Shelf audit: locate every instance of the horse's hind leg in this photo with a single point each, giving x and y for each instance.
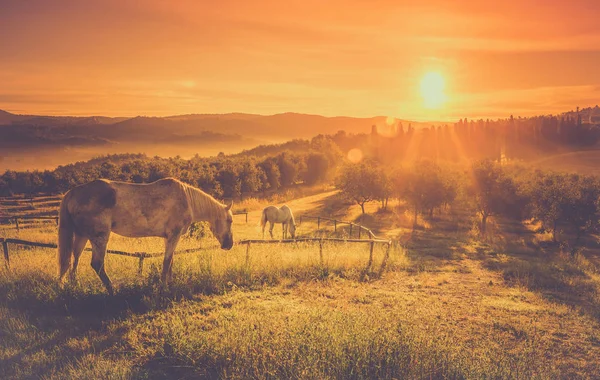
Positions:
(78, 245)
(170, 244)
(99, 243)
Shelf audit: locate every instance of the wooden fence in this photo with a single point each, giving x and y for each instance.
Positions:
(143, 255)
(15, 219)
(336, 222)
(242, 213)
(139, 255)
(372, 242)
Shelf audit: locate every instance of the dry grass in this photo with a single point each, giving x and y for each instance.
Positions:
(449, 306)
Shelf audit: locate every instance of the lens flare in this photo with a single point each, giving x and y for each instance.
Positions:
(355, 155)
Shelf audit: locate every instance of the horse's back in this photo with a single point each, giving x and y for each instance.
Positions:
(150, 209)
(130, 209)
(277, 214)
(93, 196)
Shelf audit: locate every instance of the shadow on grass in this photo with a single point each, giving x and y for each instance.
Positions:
(560, 276)
(60, 317)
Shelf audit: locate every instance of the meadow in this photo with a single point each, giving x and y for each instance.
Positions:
(449, 305)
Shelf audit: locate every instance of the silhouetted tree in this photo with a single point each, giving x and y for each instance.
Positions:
(358, 182)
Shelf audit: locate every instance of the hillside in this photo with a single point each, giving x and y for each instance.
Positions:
(447, 306)
(42, 142)
(280, 126)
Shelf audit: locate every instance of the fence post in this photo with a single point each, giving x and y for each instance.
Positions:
(351, 230)
(141, 265)
(371, 254)
(321, 250)
(335, 225)
(359, 230)
(318, 222)
(246, 216)
(17, 223)
(6, 257)
(57, 220)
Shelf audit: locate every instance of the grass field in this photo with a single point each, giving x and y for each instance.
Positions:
(449, 305)
(583, 162)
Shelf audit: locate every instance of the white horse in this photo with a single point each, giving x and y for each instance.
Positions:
(283, 215)
(164, 208)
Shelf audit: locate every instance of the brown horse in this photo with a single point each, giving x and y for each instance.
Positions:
(164, 208)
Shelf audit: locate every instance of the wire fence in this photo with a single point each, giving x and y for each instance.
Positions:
(371, 239)
(335, 222)
(16, 219)
(139, 255)
(371, 242)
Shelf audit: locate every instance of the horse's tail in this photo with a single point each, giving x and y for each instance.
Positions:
(66, 231)
(263, 218)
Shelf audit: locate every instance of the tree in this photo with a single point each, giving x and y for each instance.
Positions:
(358, 182)
(272, 174)
(251, 177)
(423, 187)
(582, 211)
(549, 200)
(495, 193)
(228, 177)
(287, 168)
(383, 187)
(317, 168)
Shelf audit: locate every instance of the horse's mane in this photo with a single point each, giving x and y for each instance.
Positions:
(204, 206)
(292, 216)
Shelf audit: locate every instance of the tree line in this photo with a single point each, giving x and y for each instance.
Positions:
(223, 176)
(559, 202)
(502, 139)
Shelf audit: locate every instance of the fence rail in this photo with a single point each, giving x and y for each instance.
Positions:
(242, 213)
(372, 242)
(15, 219)
(336, 222)
(139, 255)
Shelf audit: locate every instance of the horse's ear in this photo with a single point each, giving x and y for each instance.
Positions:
(228, 207)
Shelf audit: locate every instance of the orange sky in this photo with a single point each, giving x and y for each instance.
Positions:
(356, 58)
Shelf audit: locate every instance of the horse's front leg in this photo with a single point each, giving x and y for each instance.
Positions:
(284, 228)
(170, 243)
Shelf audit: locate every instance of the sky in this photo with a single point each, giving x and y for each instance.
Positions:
(352, 57)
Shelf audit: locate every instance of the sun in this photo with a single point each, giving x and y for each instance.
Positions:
(432, 90)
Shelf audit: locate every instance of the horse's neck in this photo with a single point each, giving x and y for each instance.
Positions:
(204, 208)
(286, 215)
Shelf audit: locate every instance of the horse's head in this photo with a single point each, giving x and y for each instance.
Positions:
(293, 229)
(221, 228)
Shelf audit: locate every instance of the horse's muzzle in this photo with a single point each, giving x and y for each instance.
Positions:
(227, 243)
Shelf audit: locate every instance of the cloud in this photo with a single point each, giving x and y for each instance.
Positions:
(336, 57)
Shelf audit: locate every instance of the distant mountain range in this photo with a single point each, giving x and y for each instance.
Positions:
(278, 127)
(34, 141)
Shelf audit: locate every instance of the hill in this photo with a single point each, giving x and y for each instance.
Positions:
(41, 142)
(280, 126)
